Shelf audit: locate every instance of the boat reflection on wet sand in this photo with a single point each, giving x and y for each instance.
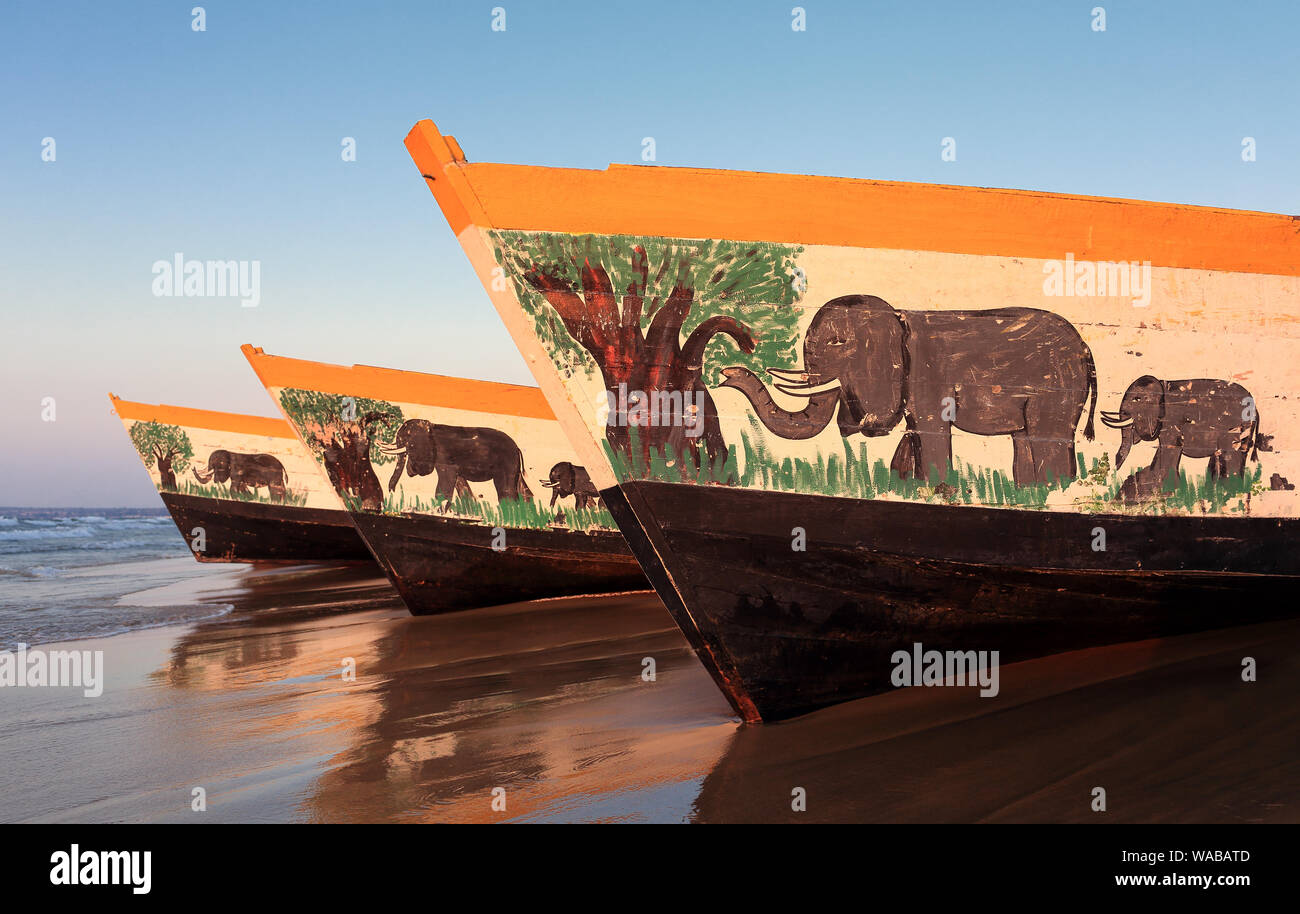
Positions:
(1166, 727)
(546, 701)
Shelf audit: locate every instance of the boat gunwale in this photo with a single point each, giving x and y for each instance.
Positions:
(686, 202)
(209, 419)
(398, 385)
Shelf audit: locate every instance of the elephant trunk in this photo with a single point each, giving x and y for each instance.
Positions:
(1126, 444)
(397, 473)
(795, 425)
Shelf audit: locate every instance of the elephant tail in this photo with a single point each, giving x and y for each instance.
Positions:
(1089, 430)
(1254, 438)
(524, 491)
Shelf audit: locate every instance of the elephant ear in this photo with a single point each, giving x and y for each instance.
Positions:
(1148, 406)
(421, 447)
(873, 394)
(571, 478)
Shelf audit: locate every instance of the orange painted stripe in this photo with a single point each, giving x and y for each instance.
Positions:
(399, 386)
(202, 418)
(801, 209)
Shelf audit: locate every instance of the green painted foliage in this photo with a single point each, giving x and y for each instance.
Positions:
(854, 475)
(313, 413)
(757, 283)
(152, 439)
(1198, 493)
(512, 512)
(215, 490)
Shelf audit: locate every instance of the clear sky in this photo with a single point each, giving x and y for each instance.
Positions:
(225, 144)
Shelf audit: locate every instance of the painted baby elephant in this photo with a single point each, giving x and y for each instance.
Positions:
(1020, 372)
(566, 479)
(460, 455)
(1194, 418)
(245, 472)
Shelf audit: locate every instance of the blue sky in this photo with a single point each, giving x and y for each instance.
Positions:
(225, 144)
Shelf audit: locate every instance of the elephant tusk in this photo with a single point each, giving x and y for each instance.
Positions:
(548, 484)
(1116, 423)
(391, 451)
(789, 376)
(807, 390)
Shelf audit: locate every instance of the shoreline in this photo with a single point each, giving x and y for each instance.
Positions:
(253, 708)
(546, 701)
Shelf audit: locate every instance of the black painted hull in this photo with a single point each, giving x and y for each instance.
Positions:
(245, 531)
(784, 632)
(442, 564)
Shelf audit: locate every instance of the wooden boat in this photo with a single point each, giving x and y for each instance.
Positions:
(454, 521)
(240, 488)
(845, 417)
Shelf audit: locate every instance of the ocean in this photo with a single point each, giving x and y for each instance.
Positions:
(70, 573)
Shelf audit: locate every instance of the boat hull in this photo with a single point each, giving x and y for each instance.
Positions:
(954, 394)
(243, 531)
(443, 564)
(447, 481)
(791, 631)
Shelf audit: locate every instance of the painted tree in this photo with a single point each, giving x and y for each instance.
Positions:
(345, 434)
(658, 318)
(167, 446)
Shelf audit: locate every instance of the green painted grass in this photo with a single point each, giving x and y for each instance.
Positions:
(213, 490)
(512, 512)
(1194, 494)
(853, 474)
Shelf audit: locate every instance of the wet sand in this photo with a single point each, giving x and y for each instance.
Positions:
(1167, 727)
(546, 701)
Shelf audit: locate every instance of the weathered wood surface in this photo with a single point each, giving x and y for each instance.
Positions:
(246, 482)
(793, 631)
(467, 492)
(441, 564)
(990, 375)
(238, 531)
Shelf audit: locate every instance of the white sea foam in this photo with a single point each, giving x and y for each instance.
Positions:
(46, 533)
(65, 574)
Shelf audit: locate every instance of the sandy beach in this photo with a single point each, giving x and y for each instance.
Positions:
(546, 702)
(544, 699)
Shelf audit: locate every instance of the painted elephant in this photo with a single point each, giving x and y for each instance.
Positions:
(1020, 372)
(460, 455)
(245, 473)
(566, 479)
(1194, 418)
